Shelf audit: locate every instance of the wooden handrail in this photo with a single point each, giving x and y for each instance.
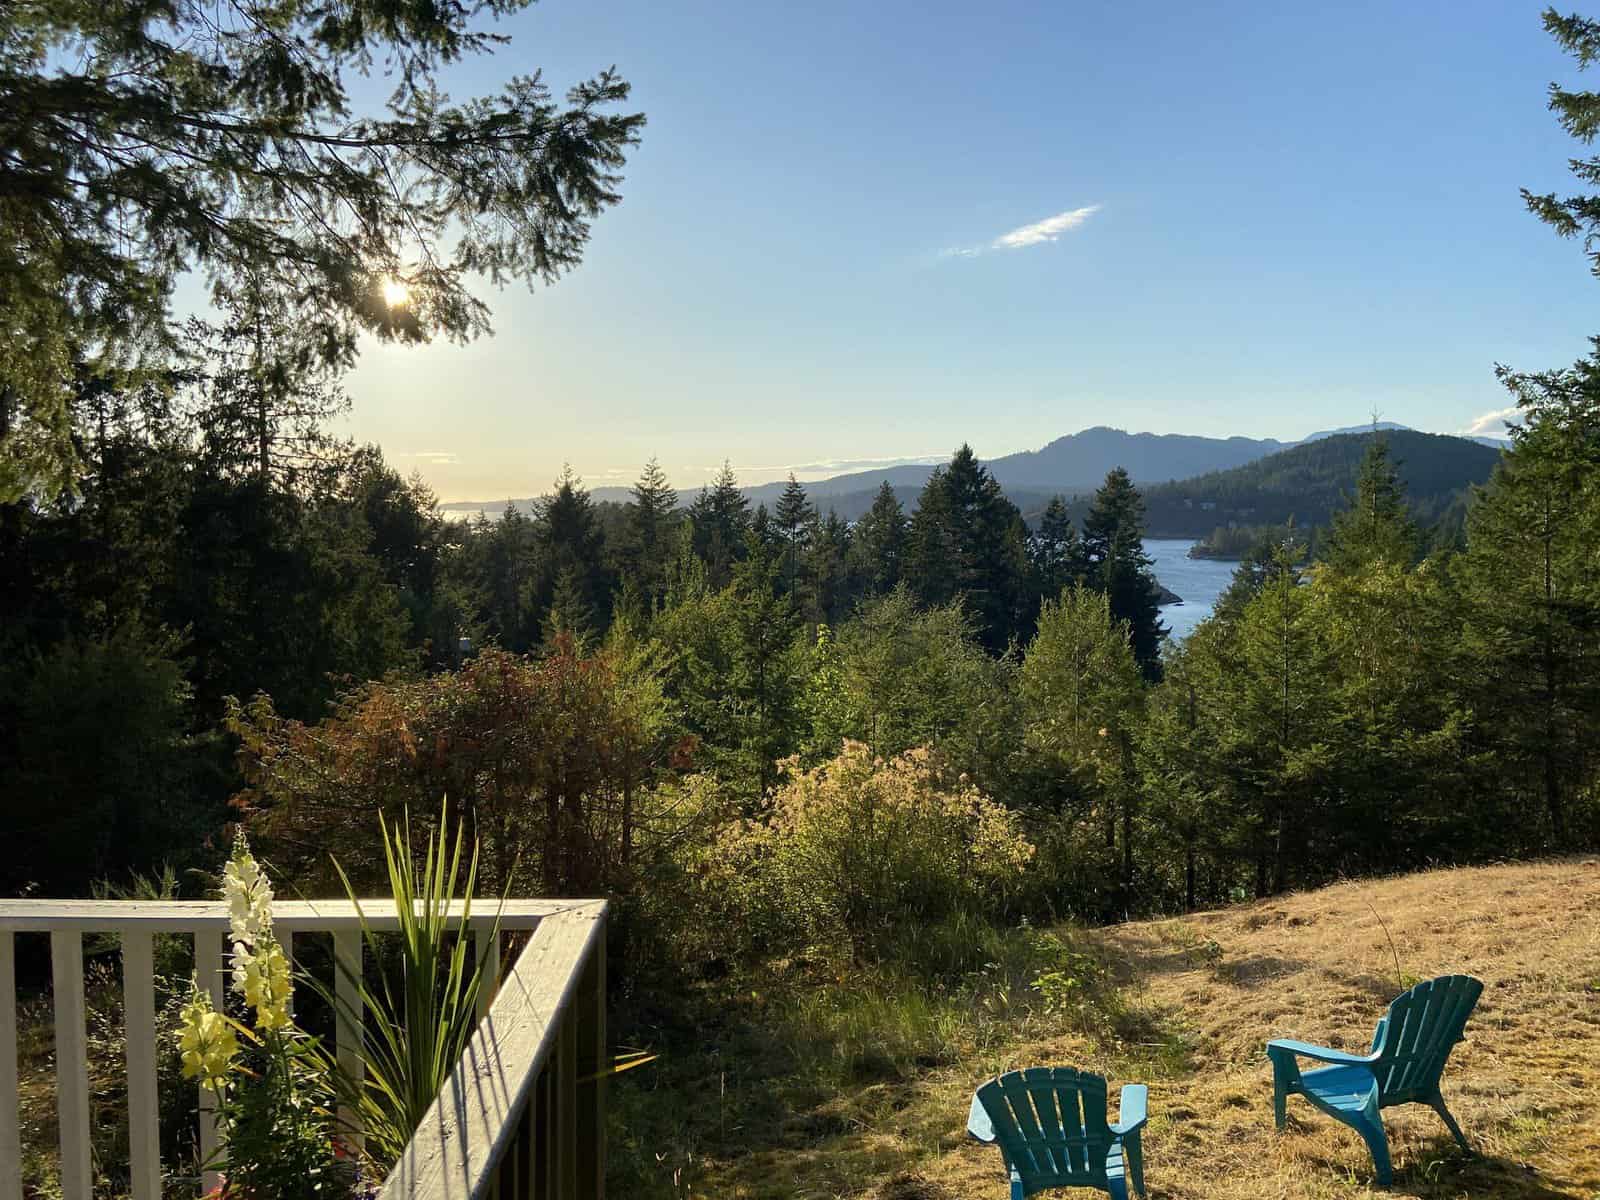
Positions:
(523, 1113)
(290, 916)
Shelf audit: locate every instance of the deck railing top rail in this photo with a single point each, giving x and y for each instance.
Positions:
(291, 916)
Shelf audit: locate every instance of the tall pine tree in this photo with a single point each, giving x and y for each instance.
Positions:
(1375, 527)
(1056, 551)
(1531, 579)
(720, 517)
(1113, 546)
(794, 517)
(648, 541)
(878, 545)
(968, 541)
(570, 552)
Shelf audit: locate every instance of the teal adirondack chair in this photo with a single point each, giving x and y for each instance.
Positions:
(1407, 1058)
(1050, 1125)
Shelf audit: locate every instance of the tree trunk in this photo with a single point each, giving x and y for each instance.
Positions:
(1188, 875)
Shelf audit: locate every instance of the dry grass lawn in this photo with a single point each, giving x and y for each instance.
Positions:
(1206, 991)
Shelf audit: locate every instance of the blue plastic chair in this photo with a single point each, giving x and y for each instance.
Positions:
(1050, 1125)
(1408, 1055)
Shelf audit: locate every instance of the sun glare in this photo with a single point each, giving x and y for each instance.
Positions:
(395, 292)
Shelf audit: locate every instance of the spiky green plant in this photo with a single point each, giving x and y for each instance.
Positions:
(420, 1024)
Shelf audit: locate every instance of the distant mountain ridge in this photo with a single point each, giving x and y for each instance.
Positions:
(1073, 465)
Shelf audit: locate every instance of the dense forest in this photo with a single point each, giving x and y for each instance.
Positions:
(226, 615)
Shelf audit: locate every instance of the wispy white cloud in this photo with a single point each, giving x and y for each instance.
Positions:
(1492, 424)
(433, 457)
(1047, 230)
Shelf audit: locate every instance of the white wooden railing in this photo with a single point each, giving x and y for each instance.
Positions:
(523, 1115)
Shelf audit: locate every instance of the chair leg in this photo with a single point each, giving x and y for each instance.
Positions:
(1437, 1104)
(1016, 1186)
(1370, 1126)
(1133, 1163)
(1280, 1096)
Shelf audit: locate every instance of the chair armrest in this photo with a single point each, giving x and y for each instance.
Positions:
(1132, 1110)
(1282, 1046)
(978, 1123)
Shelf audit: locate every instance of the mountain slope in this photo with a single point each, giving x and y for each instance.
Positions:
(1311, 481)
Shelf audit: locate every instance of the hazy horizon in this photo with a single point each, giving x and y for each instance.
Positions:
(814, 472)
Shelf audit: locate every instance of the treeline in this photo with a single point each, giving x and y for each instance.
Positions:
(577, 565)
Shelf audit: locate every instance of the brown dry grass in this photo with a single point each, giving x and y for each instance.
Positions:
(1206, 991)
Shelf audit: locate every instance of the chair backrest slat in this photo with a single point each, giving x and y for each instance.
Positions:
(1050, 1123)
(1414, 1041)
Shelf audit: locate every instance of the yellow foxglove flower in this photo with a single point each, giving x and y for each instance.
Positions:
(206, 1042)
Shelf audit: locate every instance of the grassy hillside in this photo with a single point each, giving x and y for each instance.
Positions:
(1310, 482)
(1186, 1007)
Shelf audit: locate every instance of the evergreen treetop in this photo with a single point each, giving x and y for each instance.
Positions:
(1375, 527)
(147, 141)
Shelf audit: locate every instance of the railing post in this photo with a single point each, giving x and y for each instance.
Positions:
(349, 1022)
(72, 1063)
(592, 1063)
(10, 1134)
(210, 967)
(546, 1156)
(567, 1105)
(139, 1007)
(486, 943)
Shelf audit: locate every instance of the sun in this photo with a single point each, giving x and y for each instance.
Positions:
(395, 292)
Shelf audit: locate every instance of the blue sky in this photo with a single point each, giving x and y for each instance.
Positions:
(1270, 218)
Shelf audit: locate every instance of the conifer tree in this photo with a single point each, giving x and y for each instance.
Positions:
(1113, 547)
(1531, 580)
(1057, 553)
(648, 544)
(825, 575)
(794, 517)
(1579, 114)
(720, 517)
(1375, 527)
(878, 545)
(968, 540)
(1082, 694)
(571, 612)
(1277, 722)
(570, 549)
(263, 395)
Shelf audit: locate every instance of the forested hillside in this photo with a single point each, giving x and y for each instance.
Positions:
(1310, 482)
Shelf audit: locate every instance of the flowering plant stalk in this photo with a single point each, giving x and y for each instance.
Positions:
(274, 1083)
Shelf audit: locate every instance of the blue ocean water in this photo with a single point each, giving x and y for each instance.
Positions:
(1200, 581)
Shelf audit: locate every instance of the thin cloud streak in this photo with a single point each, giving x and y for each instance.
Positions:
(1492, 424)
(1048, 230)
